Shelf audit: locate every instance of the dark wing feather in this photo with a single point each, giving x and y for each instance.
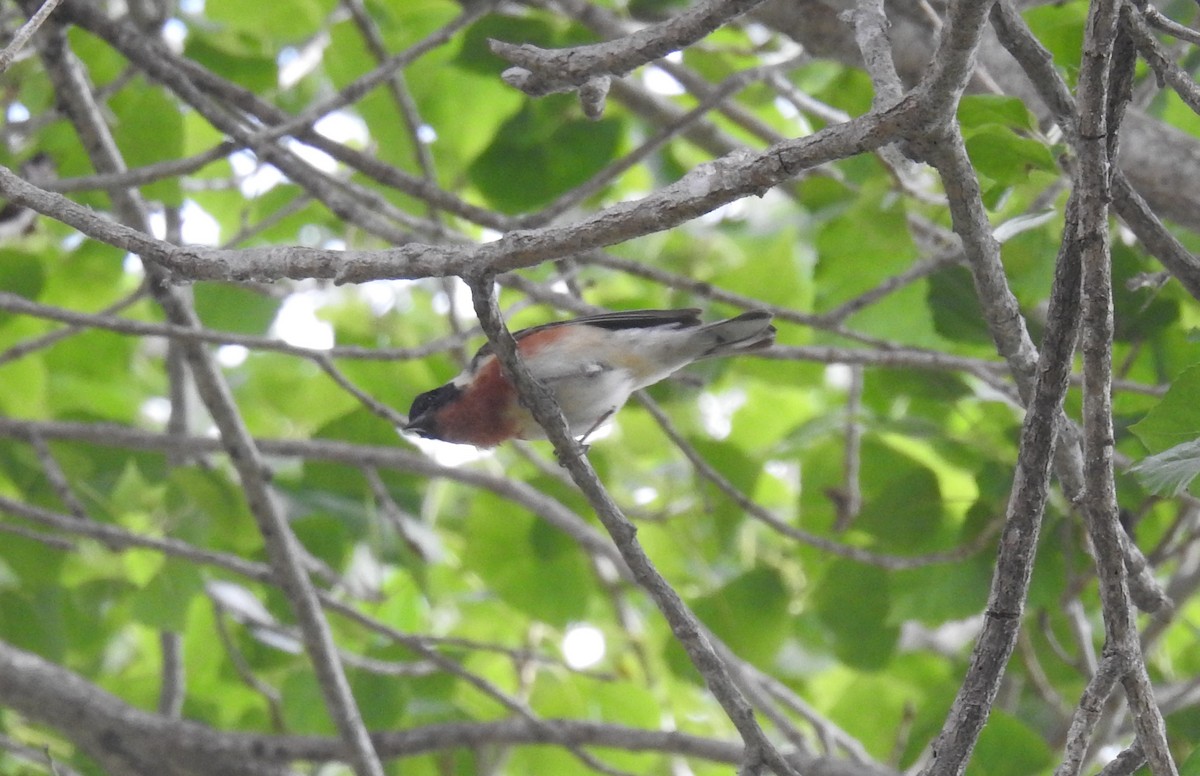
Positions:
(632, 319)
(623, 319)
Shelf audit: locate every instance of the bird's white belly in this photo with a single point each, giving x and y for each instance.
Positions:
(591, 397)
(586, 398)
(593, 377)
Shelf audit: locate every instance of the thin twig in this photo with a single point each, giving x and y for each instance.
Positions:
(763, 515)
(27, 30)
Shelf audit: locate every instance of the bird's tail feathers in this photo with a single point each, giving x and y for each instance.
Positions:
(749, 331)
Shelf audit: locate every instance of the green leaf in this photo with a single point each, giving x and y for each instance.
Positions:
(1008, 747)
(103, 63)
(242, 58)
(33, 622)
(742, 470)
(81, 369)
(403, 24)
(1029, 261)
(980, 110)
(533, 567)
(271, 403)
(282, 221)
(847, 696)
(149, 130)
(1166, 427)
(578, 695)
(943, 592)
(34, 564)
(288, 21)
(861, 248)
(749, 613)
(207, 508)
(902, 499)
(27, 381)
(88, 277)
(1005, 157)
(382, 704)
(542, 152)
(1191, 766)
(849, 90)
(776, 269)
(327, 537)
(21, 273)
(1140, 313)
(882, 390)
(235, 309)
(163, 602)
(361, 426)
(656, 9)
(476, 55)
(304, 705)
(1176, 419)
(1060, 28)
(956, 312)
(853, 600)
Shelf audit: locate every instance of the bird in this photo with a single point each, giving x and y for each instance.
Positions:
(591, 364)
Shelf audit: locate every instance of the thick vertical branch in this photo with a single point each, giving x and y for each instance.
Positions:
(1100, 106)
(1018, 542)
(1038, 63)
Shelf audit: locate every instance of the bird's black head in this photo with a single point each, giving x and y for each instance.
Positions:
(422, 416)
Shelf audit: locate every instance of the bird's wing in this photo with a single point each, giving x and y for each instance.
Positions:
(631, 319)
(623, 319)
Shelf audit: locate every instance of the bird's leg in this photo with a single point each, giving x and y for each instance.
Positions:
(583, 446)
(599, 422)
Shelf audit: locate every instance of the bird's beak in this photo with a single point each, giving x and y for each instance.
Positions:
(422, 425)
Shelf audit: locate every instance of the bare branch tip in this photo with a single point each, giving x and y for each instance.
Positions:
(592, 96)
(517, 77)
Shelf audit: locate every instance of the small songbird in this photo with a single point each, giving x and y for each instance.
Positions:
(592, 364)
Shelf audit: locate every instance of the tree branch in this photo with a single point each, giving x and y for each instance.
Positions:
(282, 548)
(10, 52)
(683, 623)
(1026, 506)
(540, 72)
(1099, 112)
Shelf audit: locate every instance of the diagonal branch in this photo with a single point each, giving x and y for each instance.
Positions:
(687, 629)
(10, 52)
(701, 191)
(286, 555)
